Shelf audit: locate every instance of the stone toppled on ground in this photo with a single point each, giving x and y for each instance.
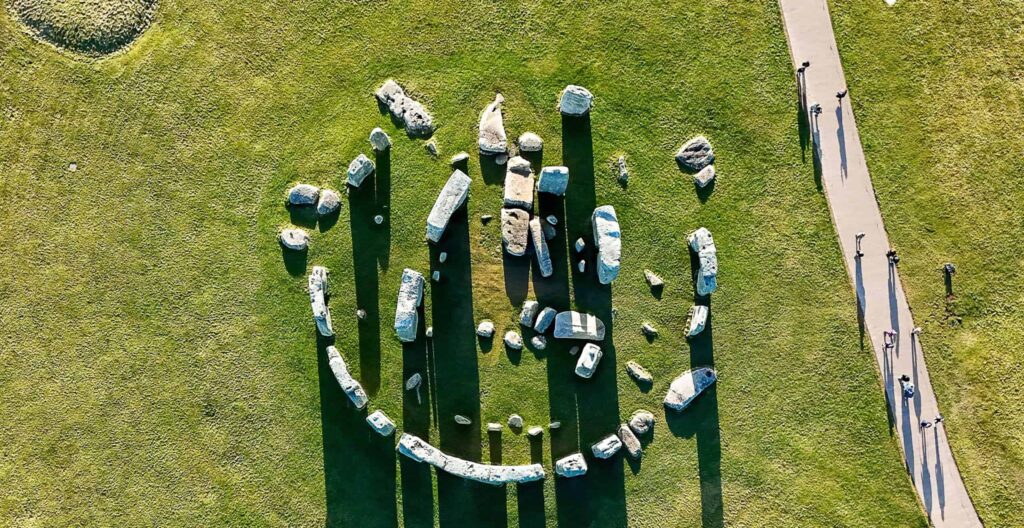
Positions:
(630, 441)
(462, 420)
(530, 142)
(442, 257)
(420, 451)
(459, 159)
(576, 325)
(695, 154)
(544, 320)
(696, 320)
(492, 128)
(358, 170)
(435, 276)
(704, 177)
(580, 245)
(303, 194)
(707, 275)
(485, 329)
(555, 425)
(381, 423)
(528, 313)
(486, 219)
(540, 248)
(608, 240)
(294, 239)
(538, 342)
(519, 184)
(515, 421)
(513, 340)
(607, 447)
(575, 100)
(348, 384)
(413, 383)
(405, 110)
(582, 266)
(553, 180)
(688, 386)
(451, 198)
(639, 373)
(588, 361)
(317, 284)
(379, 140)
(653, 280)
(515, 230)
(649, 331)
(621, 171)
(410, 296)
(328, 203)
(573, 465)
(641, 422)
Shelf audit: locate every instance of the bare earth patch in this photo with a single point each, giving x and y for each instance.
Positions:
(89, 27)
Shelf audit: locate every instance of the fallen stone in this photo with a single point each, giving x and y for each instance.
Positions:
(703, 244)
(410, 296)
(653, 280)
(544, 320)
(549, 231)
(494, 427)
(608, 240)
(573, 465)
(582, 266)
(630, 441)
(379, 219)
(555, 425)
(513, 340)
(515, 229)
(303, 194)
(420, 451)
(486, 219)
(462, 420)
(649, 330)
(576, 325)
(406, 111)
(607, 447)
(435, 276)
(530, 142)
(588, 361)
(528, 313)
(552, 219)
(429, 332)
(553, 180)
(641, 422)
(695, 154)
(451, 198)
(358, 170)
(492, 128)
(381, 423)
(696, 319)
(348, 384)
(459, 159)
(317, 284)
(294, 238)
(485, 329)
(622, 172)
(540, 248)
(580, 245)
(688, 386)
(379, 140)
(431, 148)
(519, 185)
(639, 373)
(539, 342)
(705, 176)
(575, 100)
(442, 257)
(515, 421)
(535, 431)
(328, 203)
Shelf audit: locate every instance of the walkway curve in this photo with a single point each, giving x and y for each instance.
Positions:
(883, 305)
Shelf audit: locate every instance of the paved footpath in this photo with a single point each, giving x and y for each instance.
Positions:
(851, 199)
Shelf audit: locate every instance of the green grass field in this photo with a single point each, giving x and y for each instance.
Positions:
(938, 93)
(159, 364)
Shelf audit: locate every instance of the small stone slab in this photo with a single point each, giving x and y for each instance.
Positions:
(358, 170)
(515, 421)
(607, 447)
(695, 154)
(328, 204)
(580, 245)
(576, 325)
(573, 465)
(553, 180)
(513, 340)
(589, 358)
(544, 320)
(379, 140)
(653, 280)
(649, 331)
(696, 320)
(535, 431)
(639, 373)
(303, 194)
(459, 159)
(485, 329)
(704, 177)
(528, 313)
(294, 239)
(494, 427)
(641, 422)
(530, 142)
(380, 423)
(410, 296)
(519, 185)
(608, 239)
(348, 384)
(690, 384)
(451, 198)
(540, 248)
(630, 441)
(538, 342)
(492, 138)
(515, 230)
(575, 100)
(462, 420)
(622, 172)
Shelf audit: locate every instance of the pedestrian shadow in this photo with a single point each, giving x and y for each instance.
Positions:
(841, 136)
(417, 478)
(815, 149)
(907, 434)
(940, 482)
(367, 247)
(862, 299)
(803, 126)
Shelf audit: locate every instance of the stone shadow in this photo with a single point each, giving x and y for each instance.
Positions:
(491, 172)
(417, 477)
(382, 194)
(294, 261)
(368, 246)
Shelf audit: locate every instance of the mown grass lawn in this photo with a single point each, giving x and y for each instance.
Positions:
(938, 94)
(159, 365)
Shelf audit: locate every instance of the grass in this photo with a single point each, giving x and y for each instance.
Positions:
(88, 27)
(938, 94)
(159, 362)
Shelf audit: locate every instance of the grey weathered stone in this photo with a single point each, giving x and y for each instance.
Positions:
(608, 239)
(515, 230)
(544, 320)
(420, 451)
(410, 296)
(641, 422)
(442, 257)
(435, 276)
(407, 111)
(294, 238)
(528, 313)
(688, 386)
(462, 420)
(703, 244)
(495, 427)
(519, 185)
(582, 266)
(414, 381)
(459, 159)
(704, 176)
(451, 197)
(378, 219)
(575, 100)
(485, 329)
(607, 447)
(535, 431)
(530, 142)
(653, 280)
(696, 319)
(552, 219)
(303, 194)
(318, 288)
(486, 219)
(540, 248)
(431, 148)
(492, 128)
(328, 203)
(576, 325)
(538, 342)
(381, 423)
(695, 154)
(513, 340)
(573, 465)
(630, 441)
(638, 372)
(549, 231)
(379, 140)
(649, 330)
(515, 421)
(358, 170)
(588, 361)
(348, 384)
(553, 180)
(361, 314)
(580, 245)
(429, 332)
(621, 171)
(555, 425)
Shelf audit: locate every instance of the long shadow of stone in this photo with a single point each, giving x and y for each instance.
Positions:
(294, 261)
(359, 465)
(456, 375)
(382, 194)
(417, 478)
(491, 172)
(368, 245)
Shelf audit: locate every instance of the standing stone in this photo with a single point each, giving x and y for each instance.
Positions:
(552, 219)
(378, 219)
(695, 154)
(328, 203)
(452, 196)
(649, 330)
(630, 441)
(688, 386)
(494, 427)
(381, 423)
(379, 140)
(513, 340)
(639, 373)
(607, 447)
(703, 244)
(429, 332)
(530, 142)
(515, 229)
(540, 248)
(653, 280)
(576, 325)
(608, 240)
(348, 384)
(535, 431)
(303, 194)
(442, 257)
(580, 245)
(544, 320)
(641, 422)
(435, 276)
(528, 313)
(588, 361)
(485, 329)
(486, 219)
(582, 266)
(294, 239)
(696, 319)
(407, 111)
(410, 296)
(575, 100)
(431, 147)
(462, 420)
(539, 342)
(317, 284)
(492, 128)
(553, 180)
(573, 465)
(704, 177)
(459, 159)
(515, 421)
(519, 184)
(358, 170)
(361, 314)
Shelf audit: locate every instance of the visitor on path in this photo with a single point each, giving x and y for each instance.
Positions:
(916, 332)
(806, 64)
(816, 109)
(907, 385)
(840, 94)
(938, 419)
(925, 424)
(858, 253)
(889, 338)
(894, 259)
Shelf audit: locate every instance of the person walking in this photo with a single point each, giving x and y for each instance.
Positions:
(907, 385)
(858, 253)
(938, 419)
(925, 424)
(840, 95)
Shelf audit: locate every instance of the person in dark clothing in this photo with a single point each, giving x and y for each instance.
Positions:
(840, 94)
